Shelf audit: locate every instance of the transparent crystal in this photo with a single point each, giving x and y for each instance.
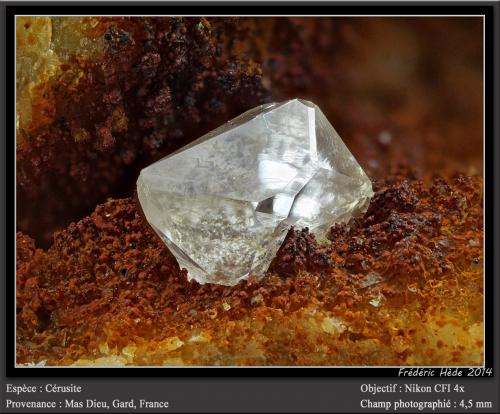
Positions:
(224, 203)
(370, 279)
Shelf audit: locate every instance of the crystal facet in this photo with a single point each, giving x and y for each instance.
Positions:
(223, 204)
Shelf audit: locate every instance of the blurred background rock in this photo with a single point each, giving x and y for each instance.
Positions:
(100, 98)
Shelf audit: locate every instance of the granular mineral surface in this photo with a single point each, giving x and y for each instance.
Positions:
(401, 286)
(101, 98)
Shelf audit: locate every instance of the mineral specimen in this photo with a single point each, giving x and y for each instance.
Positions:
(224, 203)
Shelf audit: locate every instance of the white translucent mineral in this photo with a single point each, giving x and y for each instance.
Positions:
(223, 204)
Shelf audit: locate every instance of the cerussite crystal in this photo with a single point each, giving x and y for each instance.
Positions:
(223, 204)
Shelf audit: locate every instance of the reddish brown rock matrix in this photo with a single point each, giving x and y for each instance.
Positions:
(402, 285)
(109, 280)
(159, 83)
(396, 89)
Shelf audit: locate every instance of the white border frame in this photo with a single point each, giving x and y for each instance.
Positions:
(262, 366)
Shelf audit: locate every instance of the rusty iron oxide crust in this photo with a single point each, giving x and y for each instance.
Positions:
(100, 98)
(108, 292)
(141, 87)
